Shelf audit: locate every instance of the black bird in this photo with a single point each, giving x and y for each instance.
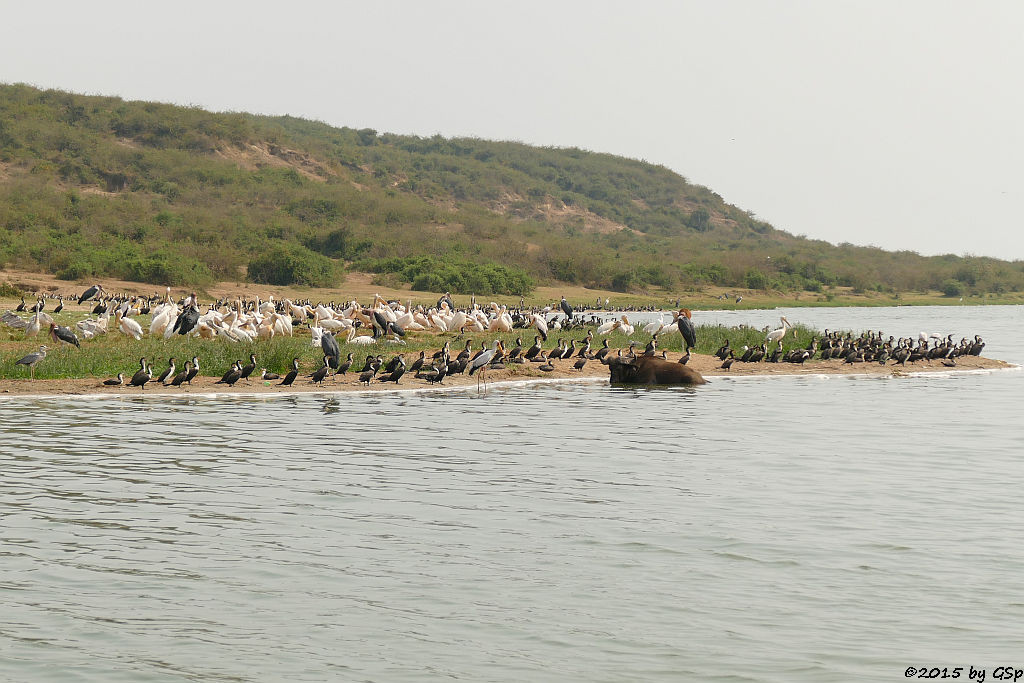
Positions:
(729, 360)
(232, 375)
(758, 354)
(169, 372)
(443, 352)
(264, 375)
(687, 329)
(320, 375)
(535, 349)
(394, 363)
(976, 347)
(395, 374)
(116, 382)
(396, 328)
(602, 352)
(290, 377)
(433, 376)
(100, 308)
(652, 346)
(457, 367)
(516, 350)
(90, 293)
(578, 365)
(380, 324)
(60, 305)
(186, 320)
(418, 363)
(343, 368)
(21, 306)
(723, 351)
(224, 377)
(144, 374)
(566, 308)
(182, 376)
(193, 371)
(64, 334)
(250, 368)
(466, 352)
(584, 351)
(330, 345)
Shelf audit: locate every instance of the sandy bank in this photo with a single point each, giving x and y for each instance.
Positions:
(706, 365)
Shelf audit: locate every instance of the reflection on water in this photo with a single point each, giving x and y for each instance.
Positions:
(791, 529)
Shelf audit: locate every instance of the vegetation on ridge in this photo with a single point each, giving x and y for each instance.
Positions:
(95, 187)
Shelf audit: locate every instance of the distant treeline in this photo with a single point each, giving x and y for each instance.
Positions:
(99, 187)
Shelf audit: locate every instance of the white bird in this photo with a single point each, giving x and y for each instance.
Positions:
(541, 325)
(353, 339)
(609, 327)
(776, 335)
(32, 329)
(654, 327)
(128, 326)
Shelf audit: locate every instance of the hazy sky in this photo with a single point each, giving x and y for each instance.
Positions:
(897, 124)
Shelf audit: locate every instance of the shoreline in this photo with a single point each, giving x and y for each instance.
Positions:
(516, 376)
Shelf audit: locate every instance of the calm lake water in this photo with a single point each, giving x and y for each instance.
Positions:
(770, 529)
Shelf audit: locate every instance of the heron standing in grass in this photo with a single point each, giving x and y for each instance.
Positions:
(31, 359)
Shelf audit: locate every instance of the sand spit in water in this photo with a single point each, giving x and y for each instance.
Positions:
(525, 373)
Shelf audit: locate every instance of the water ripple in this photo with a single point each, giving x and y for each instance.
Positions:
(821, 530)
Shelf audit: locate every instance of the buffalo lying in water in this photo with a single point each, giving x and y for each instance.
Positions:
(648, 370)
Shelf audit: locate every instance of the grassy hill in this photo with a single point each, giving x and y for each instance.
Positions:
(100, 187)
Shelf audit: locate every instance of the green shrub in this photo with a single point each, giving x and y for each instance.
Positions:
(9, 291)
(76, 270)
(431, 274)
(952, 287)
(168, 269)
(292, 264)
(755, 279)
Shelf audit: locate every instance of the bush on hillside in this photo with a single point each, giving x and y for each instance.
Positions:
(431, 274)
(292, 264)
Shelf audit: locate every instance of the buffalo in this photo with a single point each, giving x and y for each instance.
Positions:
(648, 370)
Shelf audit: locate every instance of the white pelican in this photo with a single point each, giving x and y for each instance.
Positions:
(353, 339)
(776, 335)
(609, 327)
(128, 326)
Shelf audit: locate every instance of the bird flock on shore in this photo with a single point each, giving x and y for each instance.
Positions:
(868, 347)
(387, 322)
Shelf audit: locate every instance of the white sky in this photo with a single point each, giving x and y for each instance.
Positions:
(896, 124)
